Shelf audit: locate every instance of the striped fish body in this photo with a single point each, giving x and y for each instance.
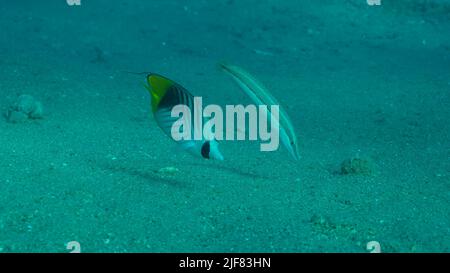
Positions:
(261, 96)
(166, 94)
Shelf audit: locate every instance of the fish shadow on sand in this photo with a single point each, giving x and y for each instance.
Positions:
(231, 170)
(179, 179)
(147, 175)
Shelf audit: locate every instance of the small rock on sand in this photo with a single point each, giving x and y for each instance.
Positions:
(24, 108)
(357, 165)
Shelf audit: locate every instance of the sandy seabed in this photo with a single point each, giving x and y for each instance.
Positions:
(358, 81)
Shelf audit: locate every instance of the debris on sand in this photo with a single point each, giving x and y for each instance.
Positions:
(167, 171)
(24, 108)
(357, 165)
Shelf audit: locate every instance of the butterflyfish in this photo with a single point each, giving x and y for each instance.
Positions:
(165, 95)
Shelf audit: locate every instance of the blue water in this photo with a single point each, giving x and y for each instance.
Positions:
(367, 89)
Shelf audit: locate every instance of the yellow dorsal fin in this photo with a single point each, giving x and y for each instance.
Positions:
(157, 86)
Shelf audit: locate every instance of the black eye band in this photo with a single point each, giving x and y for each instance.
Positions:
(205, 149)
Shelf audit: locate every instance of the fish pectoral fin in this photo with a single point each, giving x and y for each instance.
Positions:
(187, 145)
(182, 146)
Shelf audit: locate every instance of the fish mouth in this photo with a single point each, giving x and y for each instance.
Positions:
(215, 153)
(217, 156)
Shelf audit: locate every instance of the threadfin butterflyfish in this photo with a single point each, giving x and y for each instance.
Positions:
(261, 96)
(165, 95)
